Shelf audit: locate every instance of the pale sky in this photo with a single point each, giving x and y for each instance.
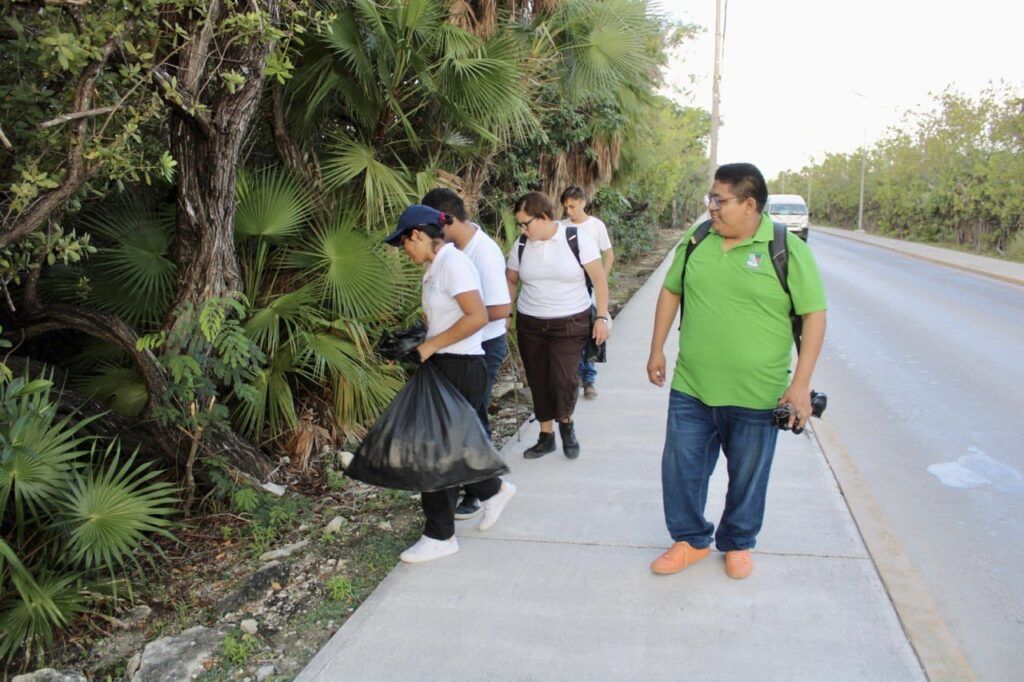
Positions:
(790, 66)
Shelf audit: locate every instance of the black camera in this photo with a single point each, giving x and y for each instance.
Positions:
(782, 413)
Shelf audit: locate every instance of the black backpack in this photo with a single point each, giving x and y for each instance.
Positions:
(777, 251)
(571, 236)
(595, 352)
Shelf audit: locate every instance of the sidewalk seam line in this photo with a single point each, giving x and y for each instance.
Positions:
(843, 557)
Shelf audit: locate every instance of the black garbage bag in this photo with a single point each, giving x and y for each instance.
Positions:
(429, 438)
(401, 345)
(596, 352)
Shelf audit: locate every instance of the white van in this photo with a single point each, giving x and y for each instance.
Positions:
(790, 209)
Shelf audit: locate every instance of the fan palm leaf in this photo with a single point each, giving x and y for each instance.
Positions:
(271, 204)
(39, 452)
(360, 396)
(42, 606)
(133, 274)
(286, 313)
(111, 509)
(384, 188)
(270, 402)
(122, 389)
(349, 272)
(604, 45)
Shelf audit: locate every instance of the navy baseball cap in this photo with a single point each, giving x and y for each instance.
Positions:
(412, 217)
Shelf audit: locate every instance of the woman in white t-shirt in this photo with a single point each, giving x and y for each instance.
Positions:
(455, 316)
(553, 322)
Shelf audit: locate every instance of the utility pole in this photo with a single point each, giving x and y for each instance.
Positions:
(863, 165)
(863, 172)
(719, 39)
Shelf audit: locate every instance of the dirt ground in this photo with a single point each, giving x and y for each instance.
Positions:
(214, 575)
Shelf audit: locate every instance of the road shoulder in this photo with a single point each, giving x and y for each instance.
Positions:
(1005, 271)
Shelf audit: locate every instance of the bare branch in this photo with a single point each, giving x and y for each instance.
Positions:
(182, 102)
(66, 118)
(77, 173)
(52, 3)
(193, 62)
(5, 142)
(107, 327)
(295, 159)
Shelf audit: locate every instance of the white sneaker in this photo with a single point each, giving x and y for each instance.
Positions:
(496, 504)
(428, 549)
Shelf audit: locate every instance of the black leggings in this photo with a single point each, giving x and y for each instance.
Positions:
(468, 373)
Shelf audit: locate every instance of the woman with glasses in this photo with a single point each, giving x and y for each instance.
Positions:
(455, 315)
(553, 308)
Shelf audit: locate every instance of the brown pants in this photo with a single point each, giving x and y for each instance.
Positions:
(551, 355)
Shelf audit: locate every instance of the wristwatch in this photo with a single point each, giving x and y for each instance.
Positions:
(607, 321)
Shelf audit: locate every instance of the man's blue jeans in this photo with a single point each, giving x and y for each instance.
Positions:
(695, 435)
(495, 352)
(588, 369)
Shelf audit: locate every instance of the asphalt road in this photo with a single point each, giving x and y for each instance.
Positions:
(924, 368)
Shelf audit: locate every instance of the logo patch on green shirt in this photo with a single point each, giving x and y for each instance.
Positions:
(754, 260)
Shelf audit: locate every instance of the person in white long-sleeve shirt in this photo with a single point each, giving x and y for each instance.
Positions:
(574, 204)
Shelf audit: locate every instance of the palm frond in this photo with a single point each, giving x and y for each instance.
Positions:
(44, 605)
(111, 509)
(40, 452)
(122, 389)
(384, 188)
(270, 400)
(348, 270)
(272, 205)
(286, 313)
(133, 274)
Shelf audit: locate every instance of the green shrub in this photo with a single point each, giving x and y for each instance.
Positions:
(1015, 246)
(632, 227)
(238, 649)
(75, 513)
(339, 588)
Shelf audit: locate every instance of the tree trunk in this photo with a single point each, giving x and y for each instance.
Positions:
(207, 148)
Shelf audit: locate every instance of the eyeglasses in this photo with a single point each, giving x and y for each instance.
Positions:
(523, 226)
(714, 203)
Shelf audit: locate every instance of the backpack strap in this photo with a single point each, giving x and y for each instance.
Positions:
(701, 233)
(572, 236)
(779, 253)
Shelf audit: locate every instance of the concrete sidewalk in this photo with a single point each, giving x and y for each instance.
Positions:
(1006, 271)
(560, 589)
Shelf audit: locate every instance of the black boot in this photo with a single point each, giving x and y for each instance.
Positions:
(545, 444)
(570, 446)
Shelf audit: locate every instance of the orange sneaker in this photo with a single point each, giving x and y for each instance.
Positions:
(677, 557)
(738, 564)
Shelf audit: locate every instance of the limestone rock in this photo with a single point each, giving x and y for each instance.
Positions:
(254, 586)
(284, 552)
(51, 675)
(173, 659)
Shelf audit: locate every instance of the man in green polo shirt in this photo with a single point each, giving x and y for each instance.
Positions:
(733, 368)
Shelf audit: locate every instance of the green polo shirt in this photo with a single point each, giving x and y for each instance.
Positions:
(735, 340)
